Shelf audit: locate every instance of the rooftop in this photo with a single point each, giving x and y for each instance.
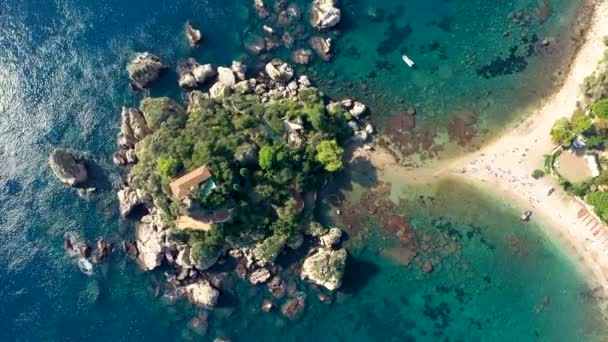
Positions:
(183, 186)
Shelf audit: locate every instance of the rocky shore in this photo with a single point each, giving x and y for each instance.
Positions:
(197, 276)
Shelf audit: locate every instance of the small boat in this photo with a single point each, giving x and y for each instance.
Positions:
(526, 215)
(408, 61)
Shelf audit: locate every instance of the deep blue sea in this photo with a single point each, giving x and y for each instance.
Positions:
(63, 81)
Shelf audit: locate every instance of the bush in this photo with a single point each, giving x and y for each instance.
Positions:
(269, 249)
(537, 174)
(595, 142)
(168, 167)
(162, 109)
(561, 133)
(581, 123)
(600, 108)
(599, 200)
(330, 155)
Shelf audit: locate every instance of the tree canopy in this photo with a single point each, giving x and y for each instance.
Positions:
(254, 161)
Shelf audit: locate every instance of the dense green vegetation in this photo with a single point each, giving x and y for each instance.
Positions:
(254, 158)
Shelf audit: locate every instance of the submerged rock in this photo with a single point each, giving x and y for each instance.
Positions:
(144, 69)
(322, 47)
(325, 14)
(302, 56)
(279, 71)
(325, 268)
(67, 168)
(293, 308)
(202, 293)
(194, 35)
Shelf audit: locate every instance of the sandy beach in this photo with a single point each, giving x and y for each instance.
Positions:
(505, 166)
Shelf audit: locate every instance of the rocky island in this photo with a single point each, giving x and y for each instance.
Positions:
(234, 174)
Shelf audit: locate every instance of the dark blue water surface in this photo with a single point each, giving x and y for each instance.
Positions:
(63, 81)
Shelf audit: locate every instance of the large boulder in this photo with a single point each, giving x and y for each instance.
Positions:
(128, 199)
(203, 255)
(226, 77)
(239, 69)
(133, 127)
(191, 74)
(203, 72)
(202, 293)
(150, 246)
(194, 35)
(259, 276)
(325, 268)
(219, 90)
(67, 168)
(332, 238)
(325, 14)
(144, 69)
(279, 71)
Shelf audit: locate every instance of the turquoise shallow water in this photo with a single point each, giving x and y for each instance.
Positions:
(62, 82)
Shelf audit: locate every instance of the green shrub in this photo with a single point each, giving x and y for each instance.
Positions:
(537, 174)
(581, 123)
(269, 249)
(600, 109)
(162, 109)
(599, 200)
(168, 167)
(561, 133)
(330, 155)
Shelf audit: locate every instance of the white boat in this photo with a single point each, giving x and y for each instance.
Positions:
(408, 61)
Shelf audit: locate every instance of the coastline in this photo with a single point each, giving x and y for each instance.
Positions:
(505, 165)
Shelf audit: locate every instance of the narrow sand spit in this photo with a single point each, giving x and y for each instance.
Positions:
(505, 165)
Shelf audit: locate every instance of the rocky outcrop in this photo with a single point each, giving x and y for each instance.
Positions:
(226, 77)
(192, 74)
(325, 14)
(219, 90)
(144, 69)
(202, 293)
(194, 35)
(239, 69)
(358, 109)
(128, 199)
(133, 128)
(279, 71)
(322, 47)
(67, 168)
(259, 276)
(302, 56)
(331, 239)
(203, 256)
(325, 268)
(150, 245)
(260, 8)
(315, 229)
